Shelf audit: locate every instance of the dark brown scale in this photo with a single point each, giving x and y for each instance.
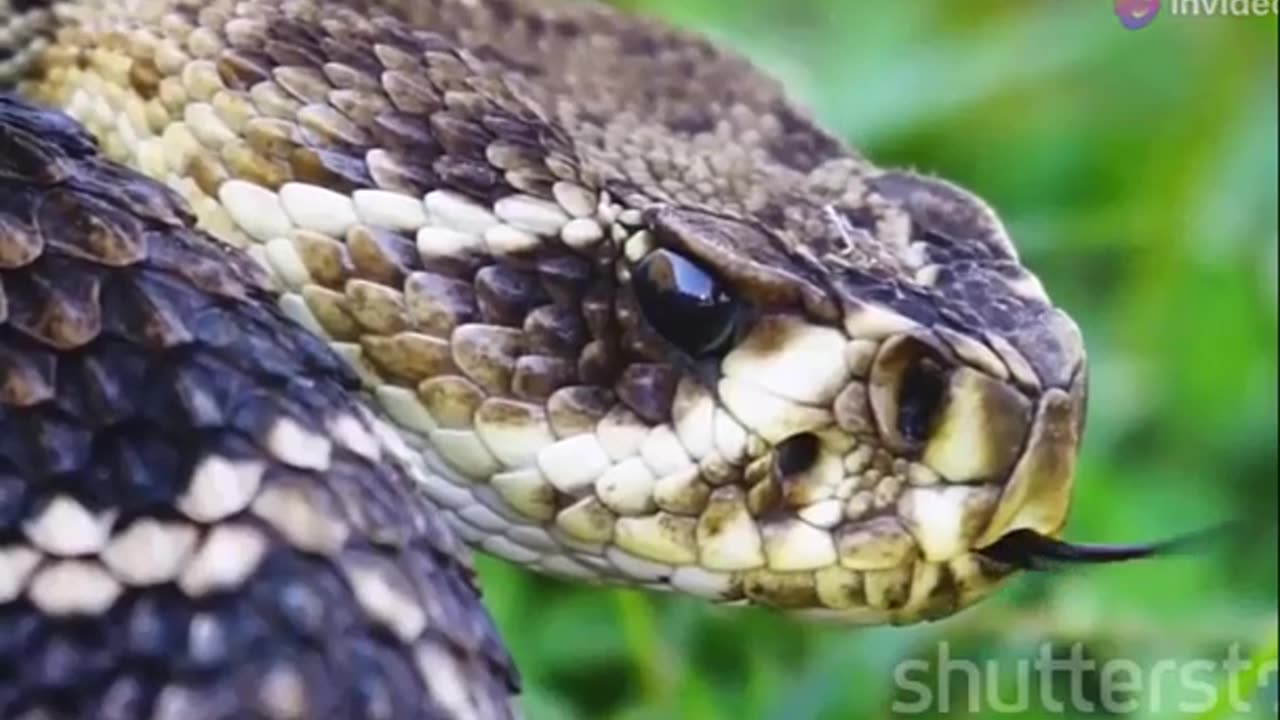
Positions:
(298, 31)
(599, 363)
(242, 68)
(145, 78)
(799, 147)
(286, 53)
(274, 138)
(213, 269)
(305, 83)
(381, 255)
(438, 303)
(28, 159)
(191, 363)
(436, 38)
(406, 134)
(151, 309)
(487, 355)
(597, 310)
(513, 129)
(410, 93)
(487, 93)
(405, 175)
(507, 155)
(564, 276)
(112, 184)
(27, 375)
(323, 125)
(354, 53)
(475, 178)
(22, 243)
(531, 181)
(236, 159)
(54, 444)
(102, 383)
(576, 409)
(58, 307)
(536, 377)
(332, 169)
(373, 504)
(506, 296)
(192, 397)
(446, 71)
(408, 358)
(82, 227)
(391, 31)
(645, 344)
(648, 390)
(556, 330)
(460, 136)
(361, 106)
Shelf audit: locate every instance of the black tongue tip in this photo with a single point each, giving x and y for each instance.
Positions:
(1029, 550)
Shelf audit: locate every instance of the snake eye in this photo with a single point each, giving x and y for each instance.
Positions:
(920, 396)
(684, 303)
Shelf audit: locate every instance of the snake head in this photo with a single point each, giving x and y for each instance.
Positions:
(885, 412)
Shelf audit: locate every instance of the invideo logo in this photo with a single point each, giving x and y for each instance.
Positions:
(1137, 14)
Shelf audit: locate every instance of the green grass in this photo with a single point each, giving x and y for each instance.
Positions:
(1137, 172)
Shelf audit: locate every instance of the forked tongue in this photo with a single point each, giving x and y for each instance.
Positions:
(1029, 550)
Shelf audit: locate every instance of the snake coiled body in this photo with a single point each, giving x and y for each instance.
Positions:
(341, 280)
(199, 520)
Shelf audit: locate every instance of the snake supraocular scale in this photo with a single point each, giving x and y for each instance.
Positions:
(636, 317)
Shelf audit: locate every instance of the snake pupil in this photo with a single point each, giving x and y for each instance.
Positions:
(685, 304)
(919, 398)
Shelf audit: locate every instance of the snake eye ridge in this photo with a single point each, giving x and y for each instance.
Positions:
(920, 397)
(685, 304)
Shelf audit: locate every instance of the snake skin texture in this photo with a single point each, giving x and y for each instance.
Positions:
(197, 518)
(466, 199)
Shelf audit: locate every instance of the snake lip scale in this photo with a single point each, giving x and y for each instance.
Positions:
(301, 300)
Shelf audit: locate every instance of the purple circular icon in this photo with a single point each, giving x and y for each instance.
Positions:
(1136, 14)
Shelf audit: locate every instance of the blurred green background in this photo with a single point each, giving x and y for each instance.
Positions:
(1137, 172)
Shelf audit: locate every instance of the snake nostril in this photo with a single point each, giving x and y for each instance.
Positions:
(795, 455)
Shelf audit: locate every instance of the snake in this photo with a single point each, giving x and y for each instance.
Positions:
(303, 301)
